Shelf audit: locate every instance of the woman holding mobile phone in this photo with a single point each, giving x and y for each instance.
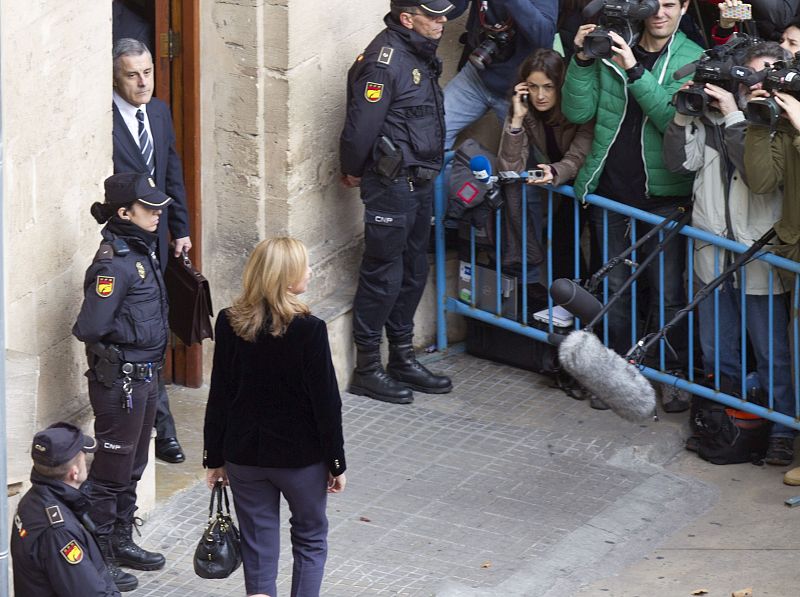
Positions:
(537, 137)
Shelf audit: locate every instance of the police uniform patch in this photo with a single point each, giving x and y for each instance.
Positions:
(72, 552)
(54, 515)
(20, 529)
(105, 286)
(416, 75)
(152, 182)
(385, 57)
(140, 269)
(373, 92)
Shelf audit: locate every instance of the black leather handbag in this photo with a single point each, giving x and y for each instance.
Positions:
(218, 554)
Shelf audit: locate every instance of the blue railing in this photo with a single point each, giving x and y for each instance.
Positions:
(450, 304)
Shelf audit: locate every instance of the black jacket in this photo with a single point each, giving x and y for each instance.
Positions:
(53, 554)
(393, 90)
(274, 402)
(169, 172)
(125, 301)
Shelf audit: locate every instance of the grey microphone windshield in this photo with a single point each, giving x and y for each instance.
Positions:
(608, 376)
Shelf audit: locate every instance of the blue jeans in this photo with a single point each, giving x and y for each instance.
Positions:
(466, 99)
(758, 331)
(622, 328)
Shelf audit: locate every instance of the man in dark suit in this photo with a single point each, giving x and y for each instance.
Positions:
(144, 141)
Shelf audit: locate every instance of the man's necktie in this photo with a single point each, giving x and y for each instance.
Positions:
(145, 145)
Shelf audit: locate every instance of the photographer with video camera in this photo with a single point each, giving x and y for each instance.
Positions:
(711, 144)
(772, 149)
(500, 35)
(629, 96)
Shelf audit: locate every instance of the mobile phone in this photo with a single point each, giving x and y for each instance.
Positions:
(537, 174)
(740, 12)
(523, 97)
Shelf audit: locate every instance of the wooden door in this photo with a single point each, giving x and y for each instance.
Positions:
(177, 66)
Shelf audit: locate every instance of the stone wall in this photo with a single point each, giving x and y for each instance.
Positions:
(274, 91)
(56, 89)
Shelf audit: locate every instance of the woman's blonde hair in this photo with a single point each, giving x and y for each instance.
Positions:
(273, 266)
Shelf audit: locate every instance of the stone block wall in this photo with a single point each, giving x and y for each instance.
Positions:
(273, 102)
(56, 89)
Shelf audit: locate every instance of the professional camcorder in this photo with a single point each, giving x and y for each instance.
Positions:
(496, 38)
(720, 65)
(620, 16)
(781, 76)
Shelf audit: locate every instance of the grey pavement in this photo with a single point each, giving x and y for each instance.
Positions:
(507, 487)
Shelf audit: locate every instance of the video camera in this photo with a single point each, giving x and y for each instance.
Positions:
(719, 65)
(495, 38)
(620, 16)
(781, 76)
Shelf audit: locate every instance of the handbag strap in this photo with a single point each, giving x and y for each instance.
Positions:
(219, 492)
(214, 493)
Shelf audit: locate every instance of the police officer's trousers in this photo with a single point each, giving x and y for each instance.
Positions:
(123, 438)
(394, 269)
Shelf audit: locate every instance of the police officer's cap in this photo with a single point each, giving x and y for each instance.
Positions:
(433, 8)
(125, 188)
(59, 443)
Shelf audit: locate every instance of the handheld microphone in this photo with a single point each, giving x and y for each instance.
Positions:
(482, 169)
(575, 299)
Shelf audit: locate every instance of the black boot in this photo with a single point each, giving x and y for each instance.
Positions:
(125, 582)
(405, 368)
(369, 379)
(127, 553)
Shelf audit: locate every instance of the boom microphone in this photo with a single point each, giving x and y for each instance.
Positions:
(608, 376)
(575, 299)
(481, 169)
(592, 8)
(686, 69)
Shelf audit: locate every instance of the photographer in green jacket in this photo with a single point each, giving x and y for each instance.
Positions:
(628, 95)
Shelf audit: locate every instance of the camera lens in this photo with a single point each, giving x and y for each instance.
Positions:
(597, 44)
(691, 102)
(481, 57)
(763, 112)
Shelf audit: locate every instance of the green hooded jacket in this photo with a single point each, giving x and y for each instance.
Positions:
(601, 91)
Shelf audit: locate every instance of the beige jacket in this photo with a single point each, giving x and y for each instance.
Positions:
(573, 140)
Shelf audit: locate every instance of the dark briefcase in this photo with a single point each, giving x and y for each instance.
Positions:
(189, 301)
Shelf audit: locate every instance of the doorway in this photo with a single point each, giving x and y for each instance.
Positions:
(171, 29)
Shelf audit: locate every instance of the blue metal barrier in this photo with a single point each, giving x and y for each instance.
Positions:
(446, 304)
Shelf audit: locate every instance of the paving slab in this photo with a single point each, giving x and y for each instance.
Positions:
(507, 487)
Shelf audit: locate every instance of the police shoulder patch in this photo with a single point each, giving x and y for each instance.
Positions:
(54, 515)
(72, 552)
(373, 92)
(104, 286)
(385, 55)
(104, 253)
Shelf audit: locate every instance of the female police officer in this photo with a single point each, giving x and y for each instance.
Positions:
(123, 322)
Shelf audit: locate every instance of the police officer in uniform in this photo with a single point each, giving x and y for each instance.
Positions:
(53, 550)
(123, 322)
(392, 147)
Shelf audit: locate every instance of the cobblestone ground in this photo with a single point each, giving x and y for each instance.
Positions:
(504, 487)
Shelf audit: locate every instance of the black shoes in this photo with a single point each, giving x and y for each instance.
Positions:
(127, 553)
(169, 450)
(405, 368)
(780, 451)
(370, 379)
(125, 582)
